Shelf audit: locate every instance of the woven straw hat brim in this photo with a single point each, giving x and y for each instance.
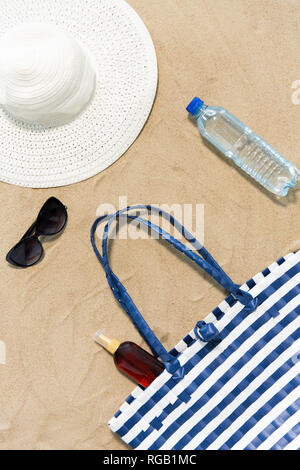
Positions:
(126, 65)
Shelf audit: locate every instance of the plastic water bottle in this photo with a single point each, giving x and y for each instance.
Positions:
(249, 151)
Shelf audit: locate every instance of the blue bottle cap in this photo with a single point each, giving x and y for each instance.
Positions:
(194, 106)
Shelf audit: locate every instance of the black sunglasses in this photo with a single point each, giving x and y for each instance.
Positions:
(51, 220)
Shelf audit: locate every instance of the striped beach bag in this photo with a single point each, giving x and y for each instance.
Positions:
(234, 381)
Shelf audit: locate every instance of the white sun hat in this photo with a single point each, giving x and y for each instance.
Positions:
(77, 83)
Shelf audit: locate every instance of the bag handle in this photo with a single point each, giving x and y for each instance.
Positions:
(200, 256)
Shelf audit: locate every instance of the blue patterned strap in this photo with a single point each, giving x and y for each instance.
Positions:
(206, 262)
(172, 364)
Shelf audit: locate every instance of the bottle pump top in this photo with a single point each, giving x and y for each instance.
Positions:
(111, 345)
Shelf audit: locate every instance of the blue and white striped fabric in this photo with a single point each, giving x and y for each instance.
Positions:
(241, 391)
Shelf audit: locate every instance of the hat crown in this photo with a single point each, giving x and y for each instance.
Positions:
(46, 76)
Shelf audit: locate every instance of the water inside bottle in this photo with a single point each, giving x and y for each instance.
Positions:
(250, 152)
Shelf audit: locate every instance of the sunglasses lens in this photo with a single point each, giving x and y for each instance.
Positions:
(52, 217)
(27, 252)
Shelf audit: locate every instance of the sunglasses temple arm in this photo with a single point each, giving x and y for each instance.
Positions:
(30, 231)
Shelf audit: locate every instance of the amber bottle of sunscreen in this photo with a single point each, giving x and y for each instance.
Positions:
(132, 360)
